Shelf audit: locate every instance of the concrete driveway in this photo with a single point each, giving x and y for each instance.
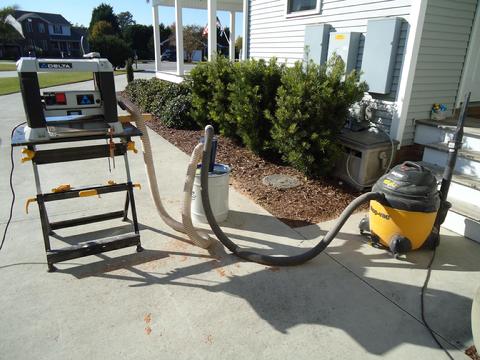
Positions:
(176, 301)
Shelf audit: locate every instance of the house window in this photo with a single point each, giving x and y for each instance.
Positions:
(44, 45)
(303, 7)
(57, 29)
(41, 27)
(29, 25)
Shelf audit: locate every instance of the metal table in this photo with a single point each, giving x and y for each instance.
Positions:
(67, 154)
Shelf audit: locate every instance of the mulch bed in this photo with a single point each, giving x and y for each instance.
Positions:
(310, 203)
(472, 353)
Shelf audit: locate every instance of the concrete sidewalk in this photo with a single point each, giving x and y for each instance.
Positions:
(176, 301)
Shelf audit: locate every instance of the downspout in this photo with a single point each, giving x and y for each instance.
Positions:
(245, 29)
(417, 20)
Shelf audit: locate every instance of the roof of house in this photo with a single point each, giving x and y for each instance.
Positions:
(21, 15)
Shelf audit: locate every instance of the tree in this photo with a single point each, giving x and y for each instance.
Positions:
(166, 31)
(116, 50)
(101, 28)
(192, 39)
(104, 12)
(125, 19)
(238, 44)
(7, 32)
(138, 38)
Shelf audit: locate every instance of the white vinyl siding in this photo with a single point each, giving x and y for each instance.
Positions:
(443, 47)
(273, 34)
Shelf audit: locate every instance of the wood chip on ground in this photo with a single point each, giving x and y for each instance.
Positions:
(312, 202)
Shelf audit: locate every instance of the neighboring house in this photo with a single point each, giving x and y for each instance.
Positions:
(45, 34)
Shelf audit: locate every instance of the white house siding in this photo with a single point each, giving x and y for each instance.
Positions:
(443, 47)
(272, 34)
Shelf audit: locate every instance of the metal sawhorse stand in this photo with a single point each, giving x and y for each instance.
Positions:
(50, 156)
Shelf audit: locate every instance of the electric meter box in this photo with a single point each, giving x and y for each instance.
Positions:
(316, 43)
(345, 45)
(380, 53)
(367, 154)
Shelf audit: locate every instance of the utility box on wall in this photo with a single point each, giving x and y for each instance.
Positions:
(345, 45)
(316, 42)
(379, 54)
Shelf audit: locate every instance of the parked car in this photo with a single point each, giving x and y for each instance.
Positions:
(169, 55)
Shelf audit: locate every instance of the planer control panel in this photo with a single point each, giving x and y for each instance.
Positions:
(57, 103)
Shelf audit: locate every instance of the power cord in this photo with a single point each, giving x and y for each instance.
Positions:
(11, 188)
(422, 305)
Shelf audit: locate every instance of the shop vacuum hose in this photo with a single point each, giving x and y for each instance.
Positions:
(197, 236)
(268, 259)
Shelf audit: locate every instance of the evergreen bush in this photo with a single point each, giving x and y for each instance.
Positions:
(210, 95)
(312, 107)
(169, 102)
(252, 96)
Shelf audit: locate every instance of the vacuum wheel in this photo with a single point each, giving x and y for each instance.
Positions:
(364, 225)
(399, 245)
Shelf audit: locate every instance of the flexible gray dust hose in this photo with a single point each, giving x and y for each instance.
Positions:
(204, 239)
(268, 259)
(192, 233)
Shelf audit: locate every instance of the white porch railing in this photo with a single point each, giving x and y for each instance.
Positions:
(233, 6)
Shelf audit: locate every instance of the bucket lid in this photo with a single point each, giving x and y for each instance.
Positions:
(218, 170)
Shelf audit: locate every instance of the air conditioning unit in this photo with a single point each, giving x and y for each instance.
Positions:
(366, 156)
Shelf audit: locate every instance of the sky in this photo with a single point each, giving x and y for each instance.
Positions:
(79, 12)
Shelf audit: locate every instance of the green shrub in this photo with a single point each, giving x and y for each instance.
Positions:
(169, 102)
(252, 95)
(176, 113)
(312, 107)
(210, 95)
(115, 49)
(295, 113)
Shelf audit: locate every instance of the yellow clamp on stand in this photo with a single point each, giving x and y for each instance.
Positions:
(139, 186)
(86, 193)
(62, 188)
(29, 155)
(27, 204)
(131, 147)
(127, 118)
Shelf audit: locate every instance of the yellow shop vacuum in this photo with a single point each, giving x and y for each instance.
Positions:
(404, 218)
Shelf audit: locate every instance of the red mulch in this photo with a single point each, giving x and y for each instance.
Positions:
(312, 202)
(472, 353)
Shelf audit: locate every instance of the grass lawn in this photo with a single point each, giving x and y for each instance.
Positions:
(8, 67)
(11, 85)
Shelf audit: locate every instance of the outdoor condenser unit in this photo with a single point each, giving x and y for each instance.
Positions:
(367, 154)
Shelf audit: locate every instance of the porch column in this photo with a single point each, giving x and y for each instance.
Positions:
(156, 37)
(179, 37)
(212, 29)
(412, 49)
(232, 36)
(245, 30)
